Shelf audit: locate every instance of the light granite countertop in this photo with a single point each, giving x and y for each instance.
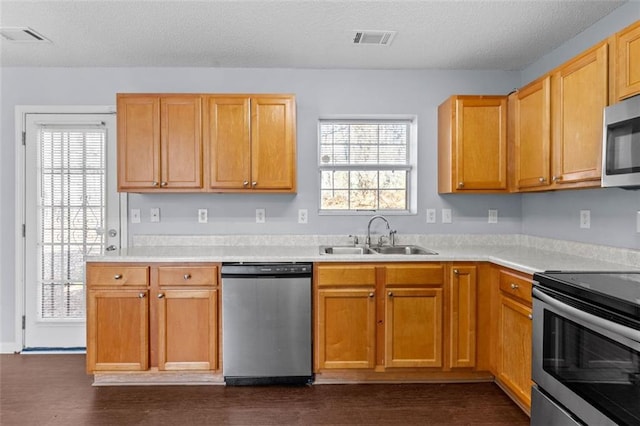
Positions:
(523, 253)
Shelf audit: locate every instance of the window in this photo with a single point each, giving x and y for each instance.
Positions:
(366, 165)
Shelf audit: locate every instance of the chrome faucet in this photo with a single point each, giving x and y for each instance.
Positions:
(391, 233)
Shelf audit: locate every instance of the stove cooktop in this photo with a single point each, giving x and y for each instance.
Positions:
(619, 291)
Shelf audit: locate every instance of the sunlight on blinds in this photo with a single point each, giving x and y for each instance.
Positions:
(71, 181)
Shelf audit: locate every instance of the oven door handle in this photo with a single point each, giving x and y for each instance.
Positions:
(570, 311)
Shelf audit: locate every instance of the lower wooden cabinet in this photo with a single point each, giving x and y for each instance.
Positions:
(152, 316)
(513, 338)
(462, 300)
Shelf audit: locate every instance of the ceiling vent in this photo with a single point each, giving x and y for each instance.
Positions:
(23, 35)
(373, 37)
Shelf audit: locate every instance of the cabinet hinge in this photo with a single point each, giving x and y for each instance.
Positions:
(24, 321)
(24, 138)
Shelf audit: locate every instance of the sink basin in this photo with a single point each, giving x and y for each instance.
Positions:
(415, 250)
(344, 250)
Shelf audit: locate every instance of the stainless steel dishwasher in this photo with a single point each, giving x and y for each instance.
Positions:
(266, 323)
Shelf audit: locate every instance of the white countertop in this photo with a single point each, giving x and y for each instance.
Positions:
(518, 256)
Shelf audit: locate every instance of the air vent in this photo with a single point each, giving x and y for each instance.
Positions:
(23, 35)
(374, 37)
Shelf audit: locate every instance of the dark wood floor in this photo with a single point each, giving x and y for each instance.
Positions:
(54, 390)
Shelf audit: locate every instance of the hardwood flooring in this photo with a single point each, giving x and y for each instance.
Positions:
(55, 390)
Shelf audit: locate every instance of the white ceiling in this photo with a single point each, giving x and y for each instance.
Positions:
(466, 34)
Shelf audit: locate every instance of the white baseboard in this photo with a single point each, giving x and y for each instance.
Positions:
(9, 347)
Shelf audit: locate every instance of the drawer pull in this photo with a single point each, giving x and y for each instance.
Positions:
(117, 277)
(371, 294)
(455, 271)
(160, 296)
(141, 295)
(390, 294)
(530, 316)
(187, 276)
(514, 286)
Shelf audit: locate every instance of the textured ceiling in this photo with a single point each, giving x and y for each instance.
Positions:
(471, 34)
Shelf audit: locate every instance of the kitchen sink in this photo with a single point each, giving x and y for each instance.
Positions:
(344, 250)
(361, 250)
(409, 250)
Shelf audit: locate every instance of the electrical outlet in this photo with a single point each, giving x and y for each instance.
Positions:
(493, 216)
(135, 215)
(302, 216)
(446, 215)
(202, 216)
(431, 215)
(154, 213)
(585, 219)
(260, 216)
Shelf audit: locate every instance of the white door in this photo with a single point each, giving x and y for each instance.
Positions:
(72, 209)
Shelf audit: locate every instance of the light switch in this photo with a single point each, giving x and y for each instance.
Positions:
(446, 215)
(260, 216)
(585, 219)
(431, 215)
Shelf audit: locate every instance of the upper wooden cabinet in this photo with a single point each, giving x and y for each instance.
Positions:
(251, 143)
(159, 142)
(531, 135)
(627, 43)
(472, 144)
(580, 91)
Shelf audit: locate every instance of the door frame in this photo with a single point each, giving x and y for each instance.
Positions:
(20, 244)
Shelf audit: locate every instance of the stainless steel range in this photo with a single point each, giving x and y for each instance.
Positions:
(586, 348)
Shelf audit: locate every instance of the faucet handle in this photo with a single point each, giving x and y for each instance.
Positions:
(392, 237)
(355, 239)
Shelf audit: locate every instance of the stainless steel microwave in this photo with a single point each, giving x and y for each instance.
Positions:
(621, 144)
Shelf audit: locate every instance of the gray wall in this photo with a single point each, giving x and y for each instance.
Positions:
(613, 210)
(318, 92)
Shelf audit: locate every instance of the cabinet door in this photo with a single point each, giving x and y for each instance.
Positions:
(346, 323)
(138, 142)
(188, 329)
(628, 61)
(413, 331)
(117, 330)
(532, 139)
(181, 142)
(462, 311)
(228, 140)
(273, 143)
(580, 93)
(514, 348)
(481, 143)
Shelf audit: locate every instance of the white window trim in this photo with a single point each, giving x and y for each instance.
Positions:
(412, 185)
(20, 127)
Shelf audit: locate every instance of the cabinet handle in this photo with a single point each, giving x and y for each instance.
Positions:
(542, 179)
(254, 184)
(455, 271)
(141, 295)
(117, 277)
(390, 294)
(187, 276)
(160, 296)
(514, 286)
(245, 183)
(371, 294)
(460, 184)
(163, 184)
(530, 316)
(154, 183)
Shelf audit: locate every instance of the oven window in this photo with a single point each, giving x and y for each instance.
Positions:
(602, 371)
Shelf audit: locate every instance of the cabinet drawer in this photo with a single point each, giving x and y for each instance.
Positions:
(346, 275)
(187, 275)
(415, 274)
(117, 275)
(516, 285)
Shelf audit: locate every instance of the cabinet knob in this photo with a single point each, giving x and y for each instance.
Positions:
(530, 316)
(390, 294)
(460, 184)
(154, 183)
(141, 295)
(117, 277)
(245, 183)
(163, 184)
(542, 179)
(371, 294)
(254, 184)
(187, 276)
(514, 286)
(555, 178)
(455, 271)
(161, 295)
